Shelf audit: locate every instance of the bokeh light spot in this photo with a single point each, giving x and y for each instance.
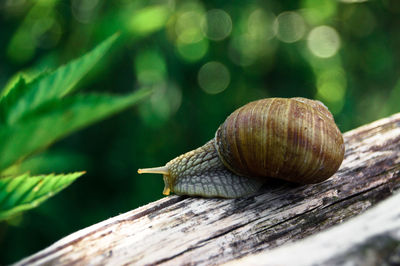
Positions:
(217, 24)
(316, 12)
(333, 74)
(289, 27)
(253, 40)
(331, 88)
(331, 91)
(83, 11)
(164, 102)
(259, 24)
(188, 27)
(193, 51)
(353, 1)
(148, 20)
(213, 77)
(323, 41)
(150, 67)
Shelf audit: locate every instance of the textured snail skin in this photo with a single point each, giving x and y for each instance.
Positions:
(201, 173)
(291, 139)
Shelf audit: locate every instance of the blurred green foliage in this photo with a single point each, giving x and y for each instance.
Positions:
(202, 59)
(34, 113)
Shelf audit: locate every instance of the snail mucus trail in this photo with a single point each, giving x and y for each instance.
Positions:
(293, 139)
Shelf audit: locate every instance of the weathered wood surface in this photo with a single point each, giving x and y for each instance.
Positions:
(372, 238)
(182, 230)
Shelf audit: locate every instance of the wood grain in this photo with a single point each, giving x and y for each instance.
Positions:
(181, 230)
(372, 238)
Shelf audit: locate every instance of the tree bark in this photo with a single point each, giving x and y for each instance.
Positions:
(372, 238)
(188, 230)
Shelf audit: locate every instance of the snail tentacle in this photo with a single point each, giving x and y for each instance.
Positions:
(154, 170)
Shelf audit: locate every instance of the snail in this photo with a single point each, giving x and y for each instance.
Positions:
(293, 139)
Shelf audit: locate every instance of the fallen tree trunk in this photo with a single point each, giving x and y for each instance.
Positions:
(186, 230)
(372, 238)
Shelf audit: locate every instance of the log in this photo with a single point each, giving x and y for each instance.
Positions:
(188, 230)
(372, 238)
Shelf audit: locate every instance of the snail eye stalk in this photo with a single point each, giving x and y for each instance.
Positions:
(155, 170)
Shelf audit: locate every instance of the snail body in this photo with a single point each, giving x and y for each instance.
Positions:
(292, 139)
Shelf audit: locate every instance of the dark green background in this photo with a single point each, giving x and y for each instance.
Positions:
(359, 83)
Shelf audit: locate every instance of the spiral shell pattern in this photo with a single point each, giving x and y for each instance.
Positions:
(293, 139)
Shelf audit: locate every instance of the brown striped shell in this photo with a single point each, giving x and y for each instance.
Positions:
(292, 139)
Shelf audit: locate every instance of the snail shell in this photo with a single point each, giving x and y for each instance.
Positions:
(291, 139)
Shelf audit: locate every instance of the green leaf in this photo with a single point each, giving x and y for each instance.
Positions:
(28, 76)
(56, 119)
(20, 86)
(51, 85)
(26, 192)
(11, 84)
(18, 89)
